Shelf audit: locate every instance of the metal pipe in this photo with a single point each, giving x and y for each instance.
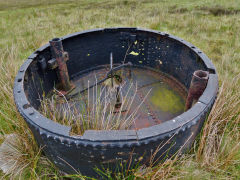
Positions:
(118, 99)
(59, 54)
(197, 86)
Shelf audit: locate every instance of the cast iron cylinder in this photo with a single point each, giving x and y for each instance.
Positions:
(88, 49)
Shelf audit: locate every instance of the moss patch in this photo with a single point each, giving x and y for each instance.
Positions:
(167, 100)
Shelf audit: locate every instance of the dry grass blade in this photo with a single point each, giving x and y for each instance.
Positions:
(98, 112)
(11, 158)
(224, 118)
(17, 155)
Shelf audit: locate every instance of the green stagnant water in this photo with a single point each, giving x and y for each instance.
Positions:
(163, 98)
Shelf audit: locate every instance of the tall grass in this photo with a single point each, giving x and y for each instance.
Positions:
(25, 26)
(19, 154)
(95, 110)
(220, 142)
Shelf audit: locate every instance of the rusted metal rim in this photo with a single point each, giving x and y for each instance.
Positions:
(94, 138)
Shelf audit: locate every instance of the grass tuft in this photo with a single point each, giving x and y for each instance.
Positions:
(95, 110)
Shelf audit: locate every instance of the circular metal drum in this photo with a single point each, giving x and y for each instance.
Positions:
(148, 74)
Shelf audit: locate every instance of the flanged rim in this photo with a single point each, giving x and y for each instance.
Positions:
(94, 138)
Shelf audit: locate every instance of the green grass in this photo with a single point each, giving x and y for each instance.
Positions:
(211, 25)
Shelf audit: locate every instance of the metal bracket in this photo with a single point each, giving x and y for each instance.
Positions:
(52, 63)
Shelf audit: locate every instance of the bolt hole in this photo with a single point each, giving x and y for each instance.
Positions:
(199, 52)
(19, 80)
(31, 113)
(211, 71)
(192, 47)
(18, 91)
(25, 106)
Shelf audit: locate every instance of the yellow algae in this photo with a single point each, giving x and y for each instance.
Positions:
(134, 53)
(167, 100)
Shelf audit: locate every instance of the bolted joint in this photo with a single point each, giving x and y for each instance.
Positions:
(52, 63)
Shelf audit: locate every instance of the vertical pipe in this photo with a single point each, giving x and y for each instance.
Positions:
(57, 49)
(118, 100)
(197, 86)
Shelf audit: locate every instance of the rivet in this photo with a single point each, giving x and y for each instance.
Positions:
(31, 112)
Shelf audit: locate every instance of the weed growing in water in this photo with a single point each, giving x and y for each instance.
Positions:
(101, 108)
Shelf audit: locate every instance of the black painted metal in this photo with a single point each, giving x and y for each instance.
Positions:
(88, 49)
